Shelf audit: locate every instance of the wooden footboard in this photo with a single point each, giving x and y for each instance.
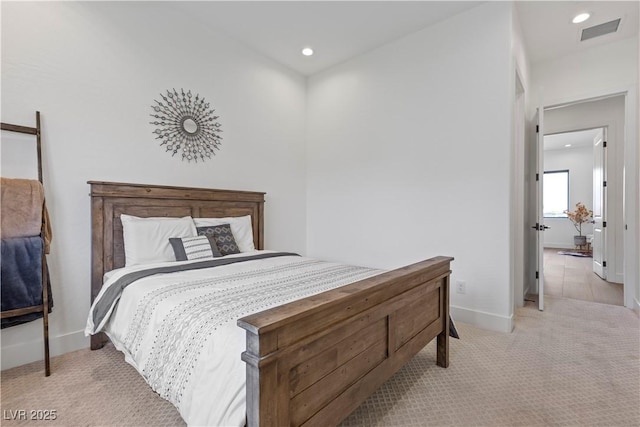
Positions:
(313, 361)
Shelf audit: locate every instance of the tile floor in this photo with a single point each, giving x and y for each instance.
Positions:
(573, 277)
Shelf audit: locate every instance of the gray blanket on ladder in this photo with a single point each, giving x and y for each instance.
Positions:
(21, 278)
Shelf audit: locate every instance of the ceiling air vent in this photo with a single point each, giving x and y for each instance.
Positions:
(600, 30)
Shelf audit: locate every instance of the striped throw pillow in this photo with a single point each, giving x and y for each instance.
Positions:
(199, 247)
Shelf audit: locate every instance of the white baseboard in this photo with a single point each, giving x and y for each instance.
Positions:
(617, 278)
(32, 351)
(490, 321)
(558, 245)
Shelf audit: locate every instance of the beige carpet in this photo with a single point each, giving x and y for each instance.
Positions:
(576, 364)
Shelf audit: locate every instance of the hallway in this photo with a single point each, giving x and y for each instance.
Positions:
(573, 277)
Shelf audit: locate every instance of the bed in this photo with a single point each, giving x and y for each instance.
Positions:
(310, 361)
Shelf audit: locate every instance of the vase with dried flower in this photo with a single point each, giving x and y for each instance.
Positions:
(578, 217)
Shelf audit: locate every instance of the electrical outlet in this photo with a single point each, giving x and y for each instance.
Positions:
(461, 286)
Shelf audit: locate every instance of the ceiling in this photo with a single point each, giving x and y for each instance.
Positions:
(336, 30)
(549, 33)
(579, 139)
(340, 30)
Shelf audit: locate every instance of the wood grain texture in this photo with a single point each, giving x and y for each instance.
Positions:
(330, 351)
(313, 361)
(109, 200)
(442, 356)
(19, 129)
(44, 308)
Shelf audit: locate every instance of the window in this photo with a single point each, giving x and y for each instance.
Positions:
(555, 187)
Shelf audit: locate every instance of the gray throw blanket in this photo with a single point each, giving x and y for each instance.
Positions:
(21, 278)
(103, 306)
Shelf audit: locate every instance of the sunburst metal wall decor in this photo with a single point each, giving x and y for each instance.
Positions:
(186, 124)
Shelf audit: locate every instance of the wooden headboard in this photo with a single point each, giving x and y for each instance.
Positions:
(111, 199)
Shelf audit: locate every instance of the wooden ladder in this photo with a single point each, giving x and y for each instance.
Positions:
(44, 307)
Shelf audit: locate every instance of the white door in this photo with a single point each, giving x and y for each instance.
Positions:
(539, 226)
(599, 203)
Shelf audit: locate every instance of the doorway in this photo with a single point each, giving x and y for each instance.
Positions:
(574, 173)
(606, 113)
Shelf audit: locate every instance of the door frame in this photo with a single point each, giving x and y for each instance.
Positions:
(519, 221)
(631, 182)
(604, 129)
(539, 225)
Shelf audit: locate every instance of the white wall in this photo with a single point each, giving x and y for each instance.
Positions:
(93, 70)
(603, 69)
(579, 163)
(607, 69)
(409, 151)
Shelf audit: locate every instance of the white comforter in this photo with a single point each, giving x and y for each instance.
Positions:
(179, 329)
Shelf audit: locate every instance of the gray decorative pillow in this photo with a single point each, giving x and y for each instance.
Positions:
(188, 248)
(222, 236)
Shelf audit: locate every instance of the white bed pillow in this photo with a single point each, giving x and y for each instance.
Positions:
(240, 227)
(146, 240)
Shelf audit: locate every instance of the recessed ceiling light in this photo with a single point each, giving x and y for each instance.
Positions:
(307, 51)
(567, 145)
(581, 18)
